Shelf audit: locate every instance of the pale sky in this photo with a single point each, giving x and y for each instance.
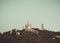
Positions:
(16, 13)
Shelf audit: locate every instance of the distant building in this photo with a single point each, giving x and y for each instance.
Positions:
(28, 27)
(42, 27)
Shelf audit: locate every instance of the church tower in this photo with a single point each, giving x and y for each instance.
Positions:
(28, 27)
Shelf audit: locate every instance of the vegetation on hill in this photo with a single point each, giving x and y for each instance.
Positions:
(22, 36)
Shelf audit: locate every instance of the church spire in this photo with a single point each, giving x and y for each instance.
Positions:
(28, 26)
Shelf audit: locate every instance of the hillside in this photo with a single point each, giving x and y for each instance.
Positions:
(36, 36)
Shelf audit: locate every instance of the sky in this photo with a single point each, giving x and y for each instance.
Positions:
(14, 14)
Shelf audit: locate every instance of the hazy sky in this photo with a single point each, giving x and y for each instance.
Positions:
(16, 13)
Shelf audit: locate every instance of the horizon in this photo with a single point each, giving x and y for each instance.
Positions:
(16, 13)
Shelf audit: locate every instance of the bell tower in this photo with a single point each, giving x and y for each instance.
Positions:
(42, 27)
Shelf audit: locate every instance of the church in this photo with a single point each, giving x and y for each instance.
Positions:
(28, 28)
